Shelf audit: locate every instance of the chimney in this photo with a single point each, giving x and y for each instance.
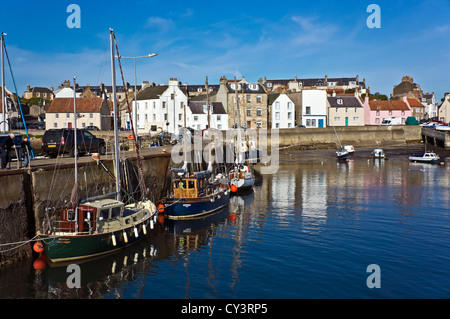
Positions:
(51, 88)
(173, 82)
(28, 88)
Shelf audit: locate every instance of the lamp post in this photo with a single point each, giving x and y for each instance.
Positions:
(134, 111)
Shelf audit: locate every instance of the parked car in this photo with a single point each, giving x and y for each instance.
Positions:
(41, 125)
(61, 141)
(92, 128)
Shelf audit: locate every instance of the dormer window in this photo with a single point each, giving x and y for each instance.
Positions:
(253, 86)
(233, 86)
(269, 84)
(199, 90)
(339, 101)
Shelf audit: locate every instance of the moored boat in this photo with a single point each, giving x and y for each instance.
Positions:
(378, 153)
(342, 154)
(98, 225)
(427, 157)
(195, 195)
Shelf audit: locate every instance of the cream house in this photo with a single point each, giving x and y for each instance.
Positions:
(345, 111)
(444, 109)
(91, 112)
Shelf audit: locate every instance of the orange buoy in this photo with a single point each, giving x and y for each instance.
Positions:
(160, 208)
(234, 188)
(40, 263)
(38, 247)
(130, 137)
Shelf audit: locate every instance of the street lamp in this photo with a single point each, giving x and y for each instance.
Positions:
(134, 111)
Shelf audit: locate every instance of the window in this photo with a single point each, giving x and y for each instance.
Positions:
(219, 126)
(308, 110)
(249, 98)
(249, 112)
(337, 119)
(55, 125)
(71, 215)
(67, 115)
(258, 99)
(195, 118)
(115, 212)
(390, 112)
(289, 125)
(180, 117)
(378, 113)
(277, 125)
(277, 115)
(259, 124)
(289, 115)
(103, 214)
(91, 115)
(377, 120)
(308, 122)
(154, 104)
(258, 112)
(313, 122)
(277, 105)
(57, 116)
(403, 112)
(289, 106)
(165, 117)
(218, 118)
(146, 105)
(164, 104)
(83, 125)
(356, 119)
(154, 117)
(339, 101)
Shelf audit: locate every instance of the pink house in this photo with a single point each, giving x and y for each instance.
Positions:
(376, 111)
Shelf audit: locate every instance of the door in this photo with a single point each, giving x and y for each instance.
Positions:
(346, 121)
(69, 124)
(320, 122)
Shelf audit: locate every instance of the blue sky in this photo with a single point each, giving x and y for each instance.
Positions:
(255, 39)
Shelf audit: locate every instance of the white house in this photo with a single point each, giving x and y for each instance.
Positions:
(314, 108)
(429, 102)
(197, 115)
(282, 112)
(161, 107)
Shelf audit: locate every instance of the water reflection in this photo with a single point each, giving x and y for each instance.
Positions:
(235, 251)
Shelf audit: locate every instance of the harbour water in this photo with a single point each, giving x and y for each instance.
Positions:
(309, 231)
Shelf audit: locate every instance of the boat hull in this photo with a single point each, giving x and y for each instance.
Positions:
(72, 247)
(186, 208)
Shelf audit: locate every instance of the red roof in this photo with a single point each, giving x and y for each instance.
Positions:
(84, 105)
(388, 105)
(414, 102)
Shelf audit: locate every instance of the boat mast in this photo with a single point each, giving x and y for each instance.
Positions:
(238, 123)
(116, 128)
(3, 84)
(75, 128)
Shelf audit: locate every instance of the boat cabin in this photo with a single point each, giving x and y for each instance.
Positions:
(89, 217)
(196, 185)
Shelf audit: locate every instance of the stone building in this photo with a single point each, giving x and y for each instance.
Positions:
(251, 98)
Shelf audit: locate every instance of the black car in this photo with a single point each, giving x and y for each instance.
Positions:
(61, 141)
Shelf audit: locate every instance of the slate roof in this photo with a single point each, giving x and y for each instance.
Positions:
(197, 107)
(316, 81)
(247, 88)
(347, 101)
(84, 105)
(40, 89)
(390, 105)
(152, 92)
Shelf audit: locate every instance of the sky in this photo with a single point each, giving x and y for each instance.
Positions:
(255, 39)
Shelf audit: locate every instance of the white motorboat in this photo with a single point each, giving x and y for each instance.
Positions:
(428, 157)
(378, 153)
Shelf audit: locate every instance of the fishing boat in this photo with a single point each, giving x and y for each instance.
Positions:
(378, 153)
(98, 225)
(195, 194)
(427, 157)
(341, 153)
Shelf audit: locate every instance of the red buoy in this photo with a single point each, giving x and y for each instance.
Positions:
(234, 188)
(161, 219)
(160, 208)
(38, 247)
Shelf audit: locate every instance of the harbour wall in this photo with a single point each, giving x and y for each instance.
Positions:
(25, 195)
(329, 137)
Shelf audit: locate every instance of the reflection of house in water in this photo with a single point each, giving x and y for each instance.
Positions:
(314, 194)
(283, 194)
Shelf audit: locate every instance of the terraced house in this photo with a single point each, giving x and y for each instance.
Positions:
(252, 99)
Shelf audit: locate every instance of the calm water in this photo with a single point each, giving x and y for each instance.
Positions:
(310, 231)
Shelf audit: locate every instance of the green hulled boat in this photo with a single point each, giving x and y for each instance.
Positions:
(95, 226)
